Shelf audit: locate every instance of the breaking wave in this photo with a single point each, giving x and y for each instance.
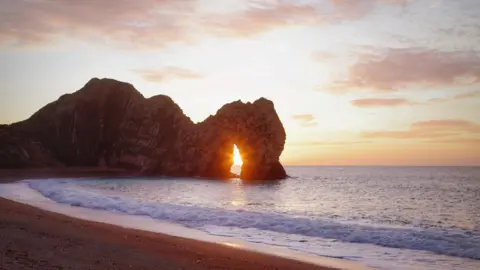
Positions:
(451, 241)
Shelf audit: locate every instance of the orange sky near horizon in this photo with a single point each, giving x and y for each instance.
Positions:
(372, 82)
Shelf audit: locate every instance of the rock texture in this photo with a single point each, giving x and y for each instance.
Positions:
(108, 123)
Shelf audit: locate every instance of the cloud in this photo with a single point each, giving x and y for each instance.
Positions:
(352, 9)
(355, 9)
(395, 69)
(395, 102)
(449, 124)
(146, 24)
(321, 56)
(463, 96)
(257, 20)
(305, 120)
(137, 23)
(428, 130)
(166, 74)
(380, 102)
(475, 141)
(326, 143)
(467, 95)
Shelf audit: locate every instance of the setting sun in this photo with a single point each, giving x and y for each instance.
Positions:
(237, 159)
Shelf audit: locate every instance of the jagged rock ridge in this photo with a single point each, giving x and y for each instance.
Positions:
(109, 123)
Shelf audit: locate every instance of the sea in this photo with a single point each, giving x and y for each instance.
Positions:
(378, 217)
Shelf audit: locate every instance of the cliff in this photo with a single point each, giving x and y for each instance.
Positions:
(109, 123)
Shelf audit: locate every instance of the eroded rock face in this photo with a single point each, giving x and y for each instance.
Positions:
(109, 123)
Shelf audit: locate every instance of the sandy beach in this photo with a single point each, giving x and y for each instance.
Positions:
(31, 238)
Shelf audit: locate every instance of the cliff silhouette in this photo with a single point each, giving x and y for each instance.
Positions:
(109, 124)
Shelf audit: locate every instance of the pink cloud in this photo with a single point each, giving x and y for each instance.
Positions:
(467, 95)
(352, 9)
(395, 102)
(136, 23)
(142, 23)
(475, 141)
(355, 9)
(156, 23)
(305, 120)
(380, 102)
(167, 73)
(449, 124)
(463, 96)
(400, 68)
(321, 56)
(327, 143)
(428, 130)
(258, 20)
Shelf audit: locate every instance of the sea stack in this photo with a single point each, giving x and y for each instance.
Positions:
(108, 123)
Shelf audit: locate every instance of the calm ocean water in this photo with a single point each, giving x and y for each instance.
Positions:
(385, 217)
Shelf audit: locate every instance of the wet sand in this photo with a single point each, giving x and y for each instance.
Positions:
(31, 238)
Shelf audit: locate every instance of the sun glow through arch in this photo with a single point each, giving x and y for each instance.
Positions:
(237, 158)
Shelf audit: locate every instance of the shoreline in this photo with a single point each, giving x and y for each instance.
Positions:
(14, 175)
(33, 238)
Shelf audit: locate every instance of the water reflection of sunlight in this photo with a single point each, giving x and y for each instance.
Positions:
(236, 181)
(238, 194)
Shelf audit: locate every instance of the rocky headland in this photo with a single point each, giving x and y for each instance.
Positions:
(110, 124)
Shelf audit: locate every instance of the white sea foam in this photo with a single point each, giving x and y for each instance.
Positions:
(452, 242)
(20, 192)
(369, 254)
(385, 217)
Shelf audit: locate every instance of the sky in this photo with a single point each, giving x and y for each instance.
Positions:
(355, 82)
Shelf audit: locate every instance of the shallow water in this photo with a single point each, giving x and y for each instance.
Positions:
(385, 217)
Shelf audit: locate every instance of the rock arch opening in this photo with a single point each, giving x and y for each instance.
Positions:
(237, 161)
